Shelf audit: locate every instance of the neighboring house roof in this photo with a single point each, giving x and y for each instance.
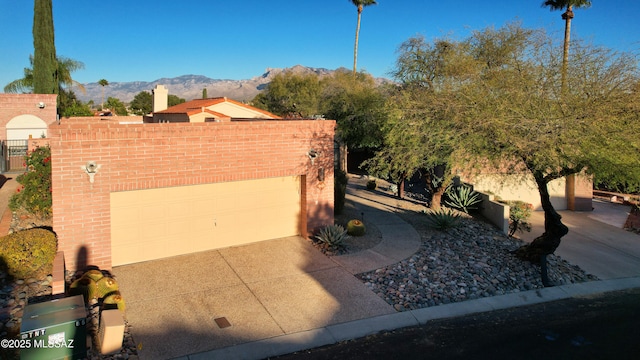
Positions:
(220, 107)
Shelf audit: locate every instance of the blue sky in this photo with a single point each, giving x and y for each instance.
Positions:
(144, 40)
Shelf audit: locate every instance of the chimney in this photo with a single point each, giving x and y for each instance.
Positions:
(160, 98)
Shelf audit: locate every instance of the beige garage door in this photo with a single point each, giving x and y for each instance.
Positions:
(157, 223)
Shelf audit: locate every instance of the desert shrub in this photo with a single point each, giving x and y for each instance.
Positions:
(462, 198)
(519, 213)
(355, 228)
(371, 184)
(340, 181)
(28, 253)
(35, 194)
(333, 236)
(443, 219)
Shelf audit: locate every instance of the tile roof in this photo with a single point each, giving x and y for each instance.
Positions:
(198, 105)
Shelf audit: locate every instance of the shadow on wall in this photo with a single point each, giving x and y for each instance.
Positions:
(81, 258)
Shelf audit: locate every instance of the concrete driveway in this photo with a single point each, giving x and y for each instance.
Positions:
(180, 306)
(596, 241)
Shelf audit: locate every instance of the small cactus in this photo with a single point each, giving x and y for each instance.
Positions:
(355, 228)
(371, 184)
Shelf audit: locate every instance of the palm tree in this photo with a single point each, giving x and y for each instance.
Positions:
(360, 4)
(566, 16)
(65, 67)
(103, 83)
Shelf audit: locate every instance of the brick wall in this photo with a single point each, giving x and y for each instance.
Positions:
(12, 105)
(145, 156)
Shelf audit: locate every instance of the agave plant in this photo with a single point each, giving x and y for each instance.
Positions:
(443, 219)
(462, 198)
(333, 236)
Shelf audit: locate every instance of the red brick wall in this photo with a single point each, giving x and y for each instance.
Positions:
(12, 105)
(145, 156)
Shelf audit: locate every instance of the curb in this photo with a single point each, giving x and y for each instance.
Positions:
(331, 334)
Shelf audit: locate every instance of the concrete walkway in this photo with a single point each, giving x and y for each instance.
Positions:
(399, 239)
(8, 186)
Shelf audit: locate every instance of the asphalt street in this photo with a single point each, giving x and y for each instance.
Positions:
(603, 326)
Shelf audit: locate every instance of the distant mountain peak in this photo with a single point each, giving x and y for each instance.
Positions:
(190, 86)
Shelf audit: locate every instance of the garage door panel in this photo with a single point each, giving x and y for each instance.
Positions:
(173, 221)
(126, 215)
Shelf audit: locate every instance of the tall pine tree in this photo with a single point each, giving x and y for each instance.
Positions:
(44, 58)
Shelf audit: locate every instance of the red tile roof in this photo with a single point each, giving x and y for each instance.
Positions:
(196, 106)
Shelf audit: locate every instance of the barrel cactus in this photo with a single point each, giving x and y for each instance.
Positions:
(355, 228)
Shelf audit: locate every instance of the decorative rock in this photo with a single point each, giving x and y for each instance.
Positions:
(469, 262)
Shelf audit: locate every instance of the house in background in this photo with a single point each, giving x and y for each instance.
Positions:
(23, 117)
(573, 192)
(201, 110)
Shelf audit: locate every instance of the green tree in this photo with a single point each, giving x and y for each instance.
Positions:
(65, 67)
(142, 103)
(512, 115)
(45, 77)
(103, 83)
(116, 106)
(174, 100)
(567, 16)
(357, 105)
(204, 93)
(420, 134)
(360, 5)
(291, 95)
(417, 139)
(69, 105)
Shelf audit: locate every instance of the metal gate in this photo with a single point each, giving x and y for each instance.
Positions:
(12, 155)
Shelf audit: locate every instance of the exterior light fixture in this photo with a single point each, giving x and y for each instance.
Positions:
(313, 154)
(91, 168)
(41, 105)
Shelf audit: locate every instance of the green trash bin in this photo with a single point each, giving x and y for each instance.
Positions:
(55, 330)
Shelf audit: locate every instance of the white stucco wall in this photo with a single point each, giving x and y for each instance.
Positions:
(24, 126)
(235, 111)
(521, 187)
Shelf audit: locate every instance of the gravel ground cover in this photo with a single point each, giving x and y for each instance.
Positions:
(470, 261)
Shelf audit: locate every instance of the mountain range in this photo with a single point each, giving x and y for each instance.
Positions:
(190, 87)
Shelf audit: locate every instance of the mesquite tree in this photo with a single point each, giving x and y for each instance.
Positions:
(500, 92)
(518, 112)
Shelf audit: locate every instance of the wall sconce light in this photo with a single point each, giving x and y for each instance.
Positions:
(41, 105)
(321, 174)
(313, 155)
(91, 168)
